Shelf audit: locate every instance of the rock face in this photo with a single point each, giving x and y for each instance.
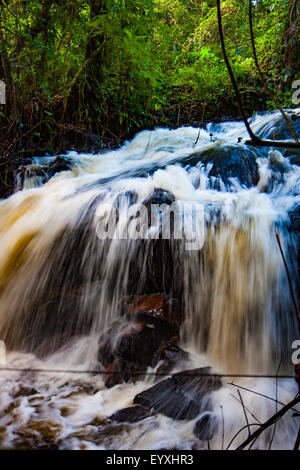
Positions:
(58, 165)
(183, 396)
(146, 335)
(231, 161)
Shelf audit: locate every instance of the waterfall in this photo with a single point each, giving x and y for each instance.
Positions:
(62, 285)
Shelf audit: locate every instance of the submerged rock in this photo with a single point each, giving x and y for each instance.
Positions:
(58, 165)
(183, 396)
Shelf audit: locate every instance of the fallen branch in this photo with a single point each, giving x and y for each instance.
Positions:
(272, 143)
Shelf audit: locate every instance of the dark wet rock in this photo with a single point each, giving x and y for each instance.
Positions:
(24, 391)
(121, 370)
(8, 177)
(167, 399)
(132, 414)
(140, 342)
(45, 172)
(230, 161)
(107, 343)
(82, 141)
(183, 396)
(58, 165)
(278, 129)
(158, 305)
(295, 160)
(159, 196)
(206, 426)
(173, 355)
(277, 163)
(197, 381)
(145, 339)
(295, 219)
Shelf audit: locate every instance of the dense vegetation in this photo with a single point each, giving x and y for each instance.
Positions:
(112, 67)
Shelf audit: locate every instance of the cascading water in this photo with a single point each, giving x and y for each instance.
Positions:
(61, 286)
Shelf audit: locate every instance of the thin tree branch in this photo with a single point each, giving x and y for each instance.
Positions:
(232, 78)
(245, 414)
(262, 77)
(254, 140)
(297, 443)
(260, 394)
(269, 422)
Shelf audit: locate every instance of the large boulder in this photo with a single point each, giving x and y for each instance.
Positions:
(183, 396)
(228, 161)
(144, 336)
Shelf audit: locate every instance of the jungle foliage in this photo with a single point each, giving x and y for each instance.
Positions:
(112, 67)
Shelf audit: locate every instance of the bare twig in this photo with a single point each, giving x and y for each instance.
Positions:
(254, 140)
(232, 78)
(223, 426)
(245, 414)
(260, 394)
(269, 422)
(197, 137)
(250, 412)
(276, 396)
(239, 431)
(263, 79)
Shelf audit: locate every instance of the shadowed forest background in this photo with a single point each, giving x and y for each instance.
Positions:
(83, 74)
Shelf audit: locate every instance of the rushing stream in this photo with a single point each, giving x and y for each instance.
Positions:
(62, 286)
